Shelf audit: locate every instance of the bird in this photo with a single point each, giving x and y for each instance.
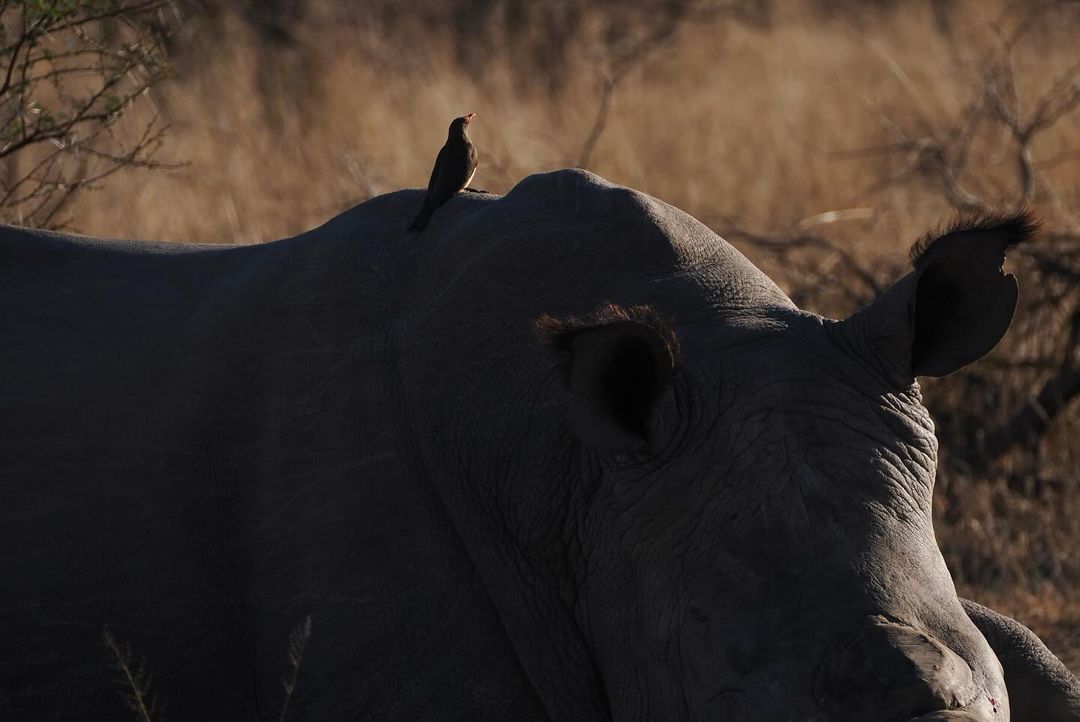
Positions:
(454, 169)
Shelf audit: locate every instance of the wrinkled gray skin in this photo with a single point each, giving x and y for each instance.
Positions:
(203, 446)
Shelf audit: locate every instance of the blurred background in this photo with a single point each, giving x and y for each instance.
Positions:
(822, 138)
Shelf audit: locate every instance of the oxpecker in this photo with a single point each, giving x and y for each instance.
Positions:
(454, 169)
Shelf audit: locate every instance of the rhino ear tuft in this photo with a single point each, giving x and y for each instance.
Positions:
(999, 231)
(619, 362)
(964, 301)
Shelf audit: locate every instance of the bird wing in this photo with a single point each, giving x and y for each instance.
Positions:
(439, 161)
(471, 165)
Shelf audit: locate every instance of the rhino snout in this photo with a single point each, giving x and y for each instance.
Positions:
(890, 671)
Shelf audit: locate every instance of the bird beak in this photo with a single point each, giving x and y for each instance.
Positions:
(469, 117)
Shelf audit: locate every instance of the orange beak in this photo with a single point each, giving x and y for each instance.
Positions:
(469, 117)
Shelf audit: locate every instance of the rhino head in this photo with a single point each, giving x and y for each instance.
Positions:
(719, 505)
(764, 499)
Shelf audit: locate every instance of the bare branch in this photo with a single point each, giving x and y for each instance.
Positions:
(57, 142)
(28, 35)
(1032, 421)
(622, 60)
(599, 124)
(782, 244)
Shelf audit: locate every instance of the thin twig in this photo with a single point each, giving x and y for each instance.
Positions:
(298, 641)
(135, 680)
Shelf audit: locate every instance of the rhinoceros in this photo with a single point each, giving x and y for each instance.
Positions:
(567, 455)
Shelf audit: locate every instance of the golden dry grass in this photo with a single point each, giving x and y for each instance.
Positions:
(725, 120)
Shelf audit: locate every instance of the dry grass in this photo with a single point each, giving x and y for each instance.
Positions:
(726, 119)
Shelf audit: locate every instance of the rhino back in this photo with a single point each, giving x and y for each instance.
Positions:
(202, 448)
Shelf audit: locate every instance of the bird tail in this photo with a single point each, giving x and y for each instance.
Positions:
(420, 222)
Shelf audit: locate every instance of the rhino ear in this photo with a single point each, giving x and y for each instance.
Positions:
(618, 365)
(955, 306)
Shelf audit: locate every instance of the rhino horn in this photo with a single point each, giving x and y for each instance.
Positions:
(890, 666)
